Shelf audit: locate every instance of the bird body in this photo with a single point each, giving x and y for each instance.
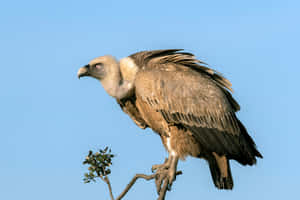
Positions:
(186, 103)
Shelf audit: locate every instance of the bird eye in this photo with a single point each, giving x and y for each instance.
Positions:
(98, 66)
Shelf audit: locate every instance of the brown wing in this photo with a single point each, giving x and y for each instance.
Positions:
(196, 97)
(156, 58)
(185, 96)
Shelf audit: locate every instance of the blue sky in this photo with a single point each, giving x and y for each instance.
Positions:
(49, 119)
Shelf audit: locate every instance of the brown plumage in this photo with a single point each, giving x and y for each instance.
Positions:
(188, 104)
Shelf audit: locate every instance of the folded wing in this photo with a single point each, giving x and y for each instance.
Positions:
(189, 94)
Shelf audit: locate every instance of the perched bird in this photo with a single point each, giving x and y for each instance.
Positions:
(186, 103)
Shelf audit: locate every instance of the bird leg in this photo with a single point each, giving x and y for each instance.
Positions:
(172, 171)
(166, 173)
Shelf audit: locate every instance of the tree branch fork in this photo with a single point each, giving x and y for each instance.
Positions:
(101, 161)
(162, 192)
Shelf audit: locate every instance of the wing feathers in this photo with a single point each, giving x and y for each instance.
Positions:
(227, 122)
(186, 97)
(183, 58)
(237, 147)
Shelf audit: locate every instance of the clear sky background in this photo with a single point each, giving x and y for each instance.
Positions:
(49, 119)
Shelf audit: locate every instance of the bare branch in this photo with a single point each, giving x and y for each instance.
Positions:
(132, 182)
(146, 177)
(109, 187)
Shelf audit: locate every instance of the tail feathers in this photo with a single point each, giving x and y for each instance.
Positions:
(220, 171)
(248, 150)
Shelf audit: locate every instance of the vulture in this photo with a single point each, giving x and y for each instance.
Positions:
(186, 103)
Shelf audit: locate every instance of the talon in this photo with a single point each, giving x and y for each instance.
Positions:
(165, 174)
(158, 183)
(169, 188)
(154, 167)
(165, 165)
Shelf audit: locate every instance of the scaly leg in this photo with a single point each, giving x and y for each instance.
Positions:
(166, 173)
(172, 170)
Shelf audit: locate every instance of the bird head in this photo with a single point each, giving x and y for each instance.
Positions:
(99, 68)
(106, 69)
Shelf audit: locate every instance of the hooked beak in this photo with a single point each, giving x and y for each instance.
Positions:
(83, 71)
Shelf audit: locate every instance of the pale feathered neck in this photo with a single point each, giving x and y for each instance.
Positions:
(114, 84)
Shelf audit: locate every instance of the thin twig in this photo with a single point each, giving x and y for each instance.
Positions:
(131, 183)
(146, 177)
(109, 187)
(106, 180)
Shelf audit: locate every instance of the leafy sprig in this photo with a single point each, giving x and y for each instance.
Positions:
(99, 163)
